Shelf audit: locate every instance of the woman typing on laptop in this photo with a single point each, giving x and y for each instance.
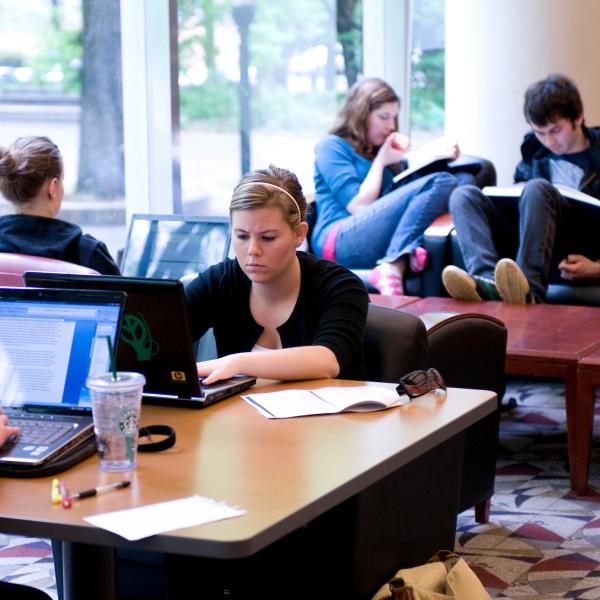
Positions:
(277, 313)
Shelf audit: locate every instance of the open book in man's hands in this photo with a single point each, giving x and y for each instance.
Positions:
(433, 156)
(327, 400)
(515, 191)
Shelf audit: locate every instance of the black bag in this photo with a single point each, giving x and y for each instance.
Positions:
(61, 463)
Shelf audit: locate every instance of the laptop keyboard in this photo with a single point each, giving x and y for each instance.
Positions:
(40, 432)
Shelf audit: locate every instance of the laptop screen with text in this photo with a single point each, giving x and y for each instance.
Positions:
(51, 341)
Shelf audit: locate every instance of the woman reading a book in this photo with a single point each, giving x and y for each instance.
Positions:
(277, 313)
(363, 216)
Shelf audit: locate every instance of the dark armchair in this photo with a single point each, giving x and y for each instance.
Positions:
(469, 350)
(395, 343)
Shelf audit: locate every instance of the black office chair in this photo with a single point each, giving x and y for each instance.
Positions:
(395, 343)
(469, 350)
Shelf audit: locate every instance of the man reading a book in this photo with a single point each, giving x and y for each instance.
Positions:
(548, 235)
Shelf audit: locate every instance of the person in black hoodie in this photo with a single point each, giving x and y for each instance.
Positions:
(31, 179)
(550, 237)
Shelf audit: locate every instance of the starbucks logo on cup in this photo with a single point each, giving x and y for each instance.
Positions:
(128, 423)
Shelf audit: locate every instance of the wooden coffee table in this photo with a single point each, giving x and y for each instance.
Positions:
(546, 340)
(393, 301)
(588, 376)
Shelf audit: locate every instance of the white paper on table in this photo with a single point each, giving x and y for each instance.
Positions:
(138, 523)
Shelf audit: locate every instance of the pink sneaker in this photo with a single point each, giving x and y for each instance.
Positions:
(418, 259)
(387, 284)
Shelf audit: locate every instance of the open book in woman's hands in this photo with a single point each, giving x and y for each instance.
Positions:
(327, 400)
(430, 157)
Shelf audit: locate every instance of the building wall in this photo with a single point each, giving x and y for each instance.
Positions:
(495, 49)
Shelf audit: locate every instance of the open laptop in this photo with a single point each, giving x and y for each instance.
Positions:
(155, 338)
(50, 342)
(172, 246)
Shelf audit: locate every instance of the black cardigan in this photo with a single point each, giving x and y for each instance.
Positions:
(331, 311)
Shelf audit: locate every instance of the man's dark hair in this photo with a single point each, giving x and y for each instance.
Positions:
(552, 98)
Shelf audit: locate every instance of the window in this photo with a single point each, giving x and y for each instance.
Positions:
(259, 83)
(427, 70)
(60, 76)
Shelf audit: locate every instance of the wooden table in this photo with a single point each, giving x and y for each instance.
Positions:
(393, 301)
(376, 490)
(588, 376)
(545, 340)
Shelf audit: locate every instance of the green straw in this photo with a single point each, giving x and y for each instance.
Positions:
(111, 353)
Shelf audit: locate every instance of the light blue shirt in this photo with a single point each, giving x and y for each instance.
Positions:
(339, 173)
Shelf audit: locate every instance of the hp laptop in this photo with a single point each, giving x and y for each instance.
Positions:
(50, 342)
(155, 337)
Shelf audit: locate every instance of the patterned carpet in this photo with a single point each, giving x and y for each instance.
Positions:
(27, 561)
(541, 541)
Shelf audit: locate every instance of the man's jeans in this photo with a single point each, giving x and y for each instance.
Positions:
(533, 231)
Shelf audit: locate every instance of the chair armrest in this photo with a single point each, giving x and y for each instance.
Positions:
(442, 226)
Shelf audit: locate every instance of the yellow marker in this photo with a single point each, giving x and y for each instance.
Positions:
(55, 496)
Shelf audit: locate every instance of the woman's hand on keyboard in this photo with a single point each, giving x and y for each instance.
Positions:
(6, 431)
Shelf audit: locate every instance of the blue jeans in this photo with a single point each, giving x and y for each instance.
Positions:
(534, 232)
(393, 225)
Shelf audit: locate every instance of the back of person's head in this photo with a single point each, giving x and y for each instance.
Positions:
(274, 186)
(551, 99)
(25, 165)
(363, 97)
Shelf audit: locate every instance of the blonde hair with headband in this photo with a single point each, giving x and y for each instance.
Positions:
(271, 187)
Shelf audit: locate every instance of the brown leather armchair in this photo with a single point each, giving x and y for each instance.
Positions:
(395, 343)
(469, 350)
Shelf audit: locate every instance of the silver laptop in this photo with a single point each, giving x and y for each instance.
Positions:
(50, 342)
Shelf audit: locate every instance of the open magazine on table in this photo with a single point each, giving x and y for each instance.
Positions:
(514, 191)
(326, 400)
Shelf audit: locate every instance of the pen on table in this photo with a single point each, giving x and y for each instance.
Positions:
(101, 489)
